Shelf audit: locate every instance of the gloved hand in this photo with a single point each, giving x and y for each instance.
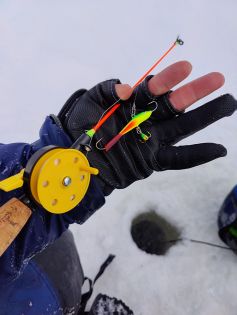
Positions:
(130, 159)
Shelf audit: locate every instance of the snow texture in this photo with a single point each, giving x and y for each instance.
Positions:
(48, 49)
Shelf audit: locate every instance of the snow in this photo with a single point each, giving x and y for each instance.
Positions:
(48, 49)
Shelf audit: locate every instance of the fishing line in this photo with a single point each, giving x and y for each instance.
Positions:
(198, 242)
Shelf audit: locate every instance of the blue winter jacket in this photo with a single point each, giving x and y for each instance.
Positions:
(24, 289)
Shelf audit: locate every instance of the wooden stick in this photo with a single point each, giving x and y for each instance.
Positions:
(13, 216)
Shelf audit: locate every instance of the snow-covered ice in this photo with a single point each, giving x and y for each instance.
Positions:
(48, 49)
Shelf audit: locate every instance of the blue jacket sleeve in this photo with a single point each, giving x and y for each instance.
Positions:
(43, 227)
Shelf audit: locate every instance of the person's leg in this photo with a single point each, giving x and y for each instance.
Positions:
(60, 261)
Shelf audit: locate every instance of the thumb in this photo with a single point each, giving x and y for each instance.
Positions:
(124, 91)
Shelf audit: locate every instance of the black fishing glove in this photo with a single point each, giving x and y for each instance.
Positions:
(130, 159)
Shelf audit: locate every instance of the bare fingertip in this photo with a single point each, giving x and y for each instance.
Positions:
(123, 91)
(219, 78)
(185, 66)
(188, 65)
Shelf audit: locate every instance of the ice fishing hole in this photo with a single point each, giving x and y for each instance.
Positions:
(153, 233)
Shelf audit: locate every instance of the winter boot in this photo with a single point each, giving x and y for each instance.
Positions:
(103, 304)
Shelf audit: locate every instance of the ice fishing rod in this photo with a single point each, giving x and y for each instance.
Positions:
(58, 178)
(84, 141)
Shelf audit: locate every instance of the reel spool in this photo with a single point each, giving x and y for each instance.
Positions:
(57, 179)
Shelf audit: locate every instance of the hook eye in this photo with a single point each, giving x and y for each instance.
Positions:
(156, 105)
(179, 41)
(99, 147)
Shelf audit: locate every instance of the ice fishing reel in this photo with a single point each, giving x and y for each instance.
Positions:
(55, 178)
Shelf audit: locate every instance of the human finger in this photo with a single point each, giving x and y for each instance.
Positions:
(124, 91)
(187, 156)
(165, 80)
(174, 130)
(193, 91)
(157, 89)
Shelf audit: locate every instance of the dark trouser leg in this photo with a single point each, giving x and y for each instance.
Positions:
(60, 261)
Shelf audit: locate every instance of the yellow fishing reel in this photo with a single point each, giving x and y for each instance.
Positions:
(55, 178)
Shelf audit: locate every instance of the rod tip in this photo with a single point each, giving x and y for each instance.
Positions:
(179, 41)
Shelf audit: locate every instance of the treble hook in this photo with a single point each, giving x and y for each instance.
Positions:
(145, 137)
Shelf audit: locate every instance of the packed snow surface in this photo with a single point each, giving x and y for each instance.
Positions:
(48, 49)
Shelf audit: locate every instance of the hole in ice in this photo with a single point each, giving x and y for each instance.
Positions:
(153, 234)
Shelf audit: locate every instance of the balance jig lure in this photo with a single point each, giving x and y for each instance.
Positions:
(134, 123)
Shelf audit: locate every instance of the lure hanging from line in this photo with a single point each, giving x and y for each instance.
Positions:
(134, 123)
(85, 139)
